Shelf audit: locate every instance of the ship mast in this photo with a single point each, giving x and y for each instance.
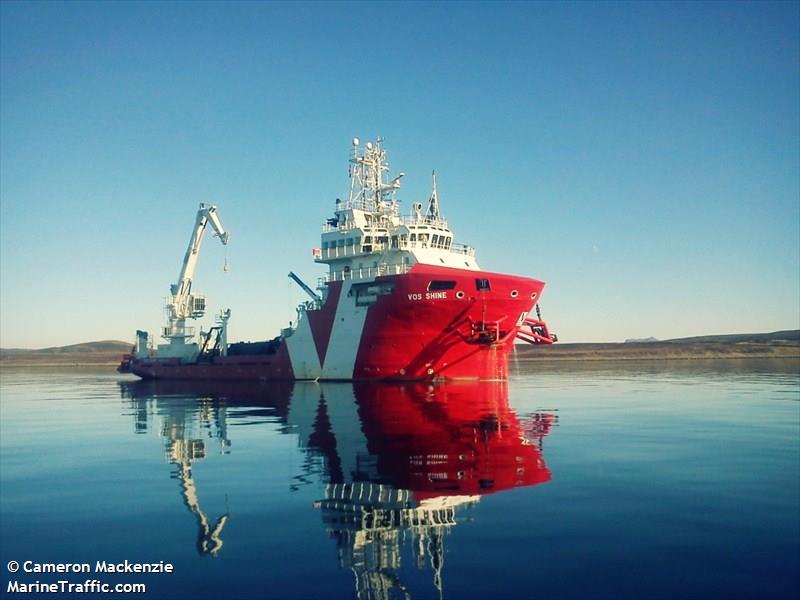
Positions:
(433, 203)
(370, 189)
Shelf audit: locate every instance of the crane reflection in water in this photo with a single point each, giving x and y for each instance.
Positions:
(399, 464)
(187, 419)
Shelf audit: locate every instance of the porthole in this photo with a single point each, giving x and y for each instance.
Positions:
(514, 293)
(533, 295)
(459, 294)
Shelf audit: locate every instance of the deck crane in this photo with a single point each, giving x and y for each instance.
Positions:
(315, 298)
(182, 304)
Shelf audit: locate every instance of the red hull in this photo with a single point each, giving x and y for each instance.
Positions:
(434, 323)
(448, 338)
(273, 367)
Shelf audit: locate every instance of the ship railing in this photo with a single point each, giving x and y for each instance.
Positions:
(359, 203)
(462, 249)
(387, 211)
(349, 251)
(328, 227)
(344, 251)
(365, 272)
(438, 222)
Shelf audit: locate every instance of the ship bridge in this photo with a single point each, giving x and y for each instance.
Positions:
(368, 236)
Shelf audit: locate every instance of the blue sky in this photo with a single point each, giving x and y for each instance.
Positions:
(641, 158)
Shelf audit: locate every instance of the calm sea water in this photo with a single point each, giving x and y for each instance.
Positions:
(608, 480)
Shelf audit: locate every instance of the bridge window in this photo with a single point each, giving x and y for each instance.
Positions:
(437, 285)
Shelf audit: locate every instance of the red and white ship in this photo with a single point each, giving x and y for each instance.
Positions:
(401, 301)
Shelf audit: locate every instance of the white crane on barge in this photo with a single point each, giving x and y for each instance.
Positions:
(182, 304)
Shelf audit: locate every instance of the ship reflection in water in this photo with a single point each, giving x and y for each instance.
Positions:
(400, 463)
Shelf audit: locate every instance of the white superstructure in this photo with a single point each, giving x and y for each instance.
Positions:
(368, 236)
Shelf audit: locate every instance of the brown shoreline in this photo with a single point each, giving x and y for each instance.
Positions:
(660, 351)
(522, 353)
(12, 364)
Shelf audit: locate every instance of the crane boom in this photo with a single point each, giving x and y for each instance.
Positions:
(306, 289)
(182, 304)
(205, 215)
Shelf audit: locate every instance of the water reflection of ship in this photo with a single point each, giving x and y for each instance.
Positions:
(402, 468)
(189, 416)
(400, 464)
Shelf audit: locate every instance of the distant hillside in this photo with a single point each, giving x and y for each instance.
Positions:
(779, 344)
(791, 335)
(88, 353)
(86, 347)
